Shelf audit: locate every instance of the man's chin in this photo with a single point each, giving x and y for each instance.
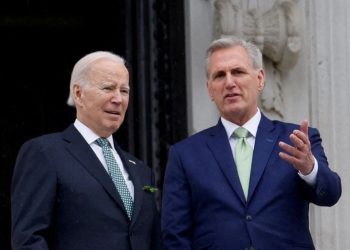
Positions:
(115, 128)
(233, 110)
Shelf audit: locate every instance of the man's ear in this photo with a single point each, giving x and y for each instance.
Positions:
(210, 91)
(261, 79)
(76, 94)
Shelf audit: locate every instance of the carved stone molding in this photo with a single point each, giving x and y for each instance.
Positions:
(275, 32)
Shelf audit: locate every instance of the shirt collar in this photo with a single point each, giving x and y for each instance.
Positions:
(251, 125)
(90, 136)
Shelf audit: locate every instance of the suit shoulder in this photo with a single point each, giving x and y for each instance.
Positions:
(288, 127)
(197, 137)
(40, 146)
(47, 140)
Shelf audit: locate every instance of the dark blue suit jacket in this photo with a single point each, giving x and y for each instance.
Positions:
(204, 206)
(62, 198)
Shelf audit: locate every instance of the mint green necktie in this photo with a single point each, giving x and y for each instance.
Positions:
(243, 157)
(116, 176)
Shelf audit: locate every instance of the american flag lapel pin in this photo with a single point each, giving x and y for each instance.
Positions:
(132, 162)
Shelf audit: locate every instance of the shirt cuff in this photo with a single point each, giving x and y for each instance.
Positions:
(310, 178)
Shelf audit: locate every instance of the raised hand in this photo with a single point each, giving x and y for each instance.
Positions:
(299, 154)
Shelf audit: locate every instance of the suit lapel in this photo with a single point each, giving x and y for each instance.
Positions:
(220, 147)
(131, 167)
(265, 142)
(83, 153)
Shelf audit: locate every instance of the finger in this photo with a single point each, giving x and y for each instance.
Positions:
(298, 139)
(286, 157)
(290, 150)
(295, 162)
(303, 133)
(291, 159)
(304, 127)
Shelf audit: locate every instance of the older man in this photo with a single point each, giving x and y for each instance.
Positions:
(247, 182)
(78, 189)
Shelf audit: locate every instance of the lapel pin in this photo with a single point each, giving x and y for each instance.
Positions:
(132, 162)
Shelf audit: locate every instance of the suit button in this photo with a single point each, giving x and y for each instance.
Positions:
(322, 193)
(248, 217)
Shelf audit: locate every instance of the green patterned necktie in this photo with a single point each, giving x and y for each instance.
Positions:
(116, 175)
(243, 157)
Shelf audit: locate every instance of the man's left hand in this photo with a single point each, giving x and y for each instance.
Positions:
(299, 154)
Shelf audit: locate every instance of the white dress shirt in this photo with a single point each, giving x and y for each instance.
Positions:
(90, 137)
(252, 127)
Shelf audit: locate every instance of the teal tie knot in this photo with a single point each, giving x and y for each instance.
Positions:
(102, 142)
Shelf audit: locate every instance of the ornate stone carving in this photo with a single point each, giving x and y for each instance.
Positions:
(275, 32)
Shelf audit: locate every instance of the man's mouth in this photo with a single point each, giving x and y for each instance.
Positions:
(113, 112)
(231, 95)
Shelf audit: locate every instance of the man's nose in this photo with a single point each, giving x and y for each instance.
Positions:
(230, 81)
(117, 96)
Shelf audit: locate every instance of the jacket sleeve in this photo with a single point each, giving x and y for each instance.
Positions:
(327, 189)
(176, 205)
(32, 198)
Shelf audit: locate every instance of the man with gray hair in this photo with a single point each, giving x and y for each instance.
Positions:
(78, 189)
(247, 182)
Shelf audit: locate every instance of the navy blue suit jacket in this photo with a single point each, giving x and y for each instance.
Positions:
(62, 198)
(203, 202)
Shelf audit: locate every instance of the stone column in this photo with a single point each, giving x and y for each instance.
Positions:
(327, 39)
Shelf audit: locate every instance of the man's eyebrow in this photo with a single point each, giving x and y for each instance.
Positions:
(217, 72)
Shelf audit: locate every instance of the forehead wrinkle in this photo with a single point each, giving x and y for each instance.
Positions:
(110, 76)
(236, 55)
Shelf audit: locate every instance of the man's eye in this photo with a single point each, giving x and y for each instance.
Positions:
(237, 72)
(219, 75)
(107, 89)
(125, 91)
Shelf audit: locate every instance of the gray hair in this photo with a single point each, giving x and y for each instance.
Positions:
(81, 69)
(227, 42)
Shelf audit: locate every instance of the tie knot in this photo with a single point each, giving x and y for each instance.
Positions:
(102, 142)
(241, 132)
